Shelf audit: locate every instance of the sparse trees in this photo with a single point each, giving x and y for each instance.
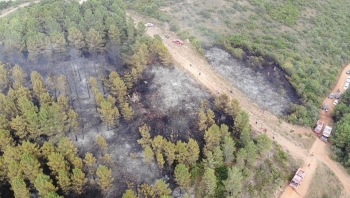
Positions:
(90, 162)
(102, 143)
(145, 136)
(127, 111)
(182, 176)
(104, 178)
(109, 113)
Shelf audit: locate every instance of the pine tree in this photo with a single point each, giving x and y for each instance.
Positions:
(73, 121)
(5, 139)
(212, 137)
(114, 34)
(245, 137)
(164, 55)
(76, 38)
(228, 149)
(30, 167)
(211, 116)
(241, 158)
(43, 184)
(161, 188)
(118, 89)
(242, 121)
(90, 162)
(145, 190)
(78, 162)
(160, 159)
(78, 181)
(62, 85)
(169, 151)
(19, 125)
(13, 170)
(234, 108)
(67, 148)
(193, 150)
(38, 84)
(94, 42)
(218, 156)
(129, 194)
(12, 153)
(222, 102)
(158, 143)
(104, 178)
(53, 195)
(208, 182)
(18, 76)
(4, 123)
(148, 154)
(146, 136)
(59, 44)
(233, 184)
(19, 188)
(45, 98)
(31, 148)
(182, 176)
(109, 113)
(252, 153)
(263, 144)
(64, 181)
(4, 77)
(181, 152)
(106, 159)
(47, 149)
(63, 102)
(209, 161)
(102, 143)
(57, 163)
(127, 111)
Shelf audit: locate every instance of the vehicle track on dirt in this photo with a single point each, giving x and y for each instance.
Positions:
(187, 58)
(10, 10)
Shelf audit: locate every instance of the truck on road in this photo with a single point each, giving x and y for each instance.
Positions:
(298, 178)
(326, 133)
(319, 126)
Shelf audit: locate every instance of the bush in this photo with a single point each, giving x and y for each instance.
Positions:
(174, 27)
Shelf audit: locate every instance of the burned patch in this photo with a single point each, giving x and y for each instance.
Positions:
(266, 86)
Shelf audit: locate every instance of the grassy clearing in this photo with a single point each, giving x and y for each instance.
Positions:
(325, 184)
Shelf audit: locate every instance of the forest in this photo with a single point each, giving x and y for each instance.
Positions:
(307, 39)
(57, 56)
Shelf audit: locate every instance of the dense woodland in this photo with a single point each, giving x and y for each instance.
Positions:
(39, 110)
(341, 131)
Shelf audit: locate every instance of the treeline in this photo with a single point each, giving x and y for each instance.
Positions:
(226, 164)
(311, 50)
(35, 155)
(341, 131)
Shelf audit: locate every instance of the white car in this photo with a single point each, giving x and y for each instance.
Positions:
(335, 102)
(149, 25)
(348, 80)
(346, 85)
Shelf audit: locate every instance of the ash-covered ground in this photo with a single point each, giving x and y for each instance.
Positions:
(267, 86)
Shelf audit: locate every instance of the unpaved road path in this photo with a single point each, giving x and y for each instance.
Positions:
(10, 10)
(186, 57)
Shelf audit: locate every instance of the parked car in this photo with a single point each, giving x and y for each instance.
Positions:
(335, 102)
(338, 95)
(149, 25)
(325, 107)
(348, 80)
(331, 96)
(346, 85)
(348, 72)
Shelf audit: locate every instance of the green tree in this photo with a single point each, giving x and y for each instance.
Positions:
(263, 144)
(114, 34)
(127, 111)
(43, 184)
(193, 150)
(242, 121)
(169, 151)
(18, 76)
(13, 170)
(161, 188)
(118, 89)
(148, 154)
(245, 137)
(4, 76)
(57, 163)
(59, 45)
(228, 149)
(129, 194)
(241, 158)
(212, 137)
(78, 181)
(5, 139)
(53, 195)
(181, 152)
(47, 149)
(109, 113)
(90, 162)
(102, 143)
(145, 136)
(94, 43)
(104, 178)
(208, 182)
(218, 156)
(233, 184)
(182, 176)
(76, 38)
(19, 188)
(67, 148)
(30, 167)
(64, 181)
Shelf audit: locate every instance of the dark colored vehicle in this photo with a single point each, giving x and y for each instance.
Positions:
(325, 107)
(331, 96)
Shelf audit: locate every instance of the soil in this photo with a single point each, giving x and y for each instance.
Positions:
(187, 58)
(10, 10)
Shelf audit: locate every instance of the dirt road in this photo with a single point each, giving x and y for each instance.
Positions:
(186, 57)
(10, 10)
